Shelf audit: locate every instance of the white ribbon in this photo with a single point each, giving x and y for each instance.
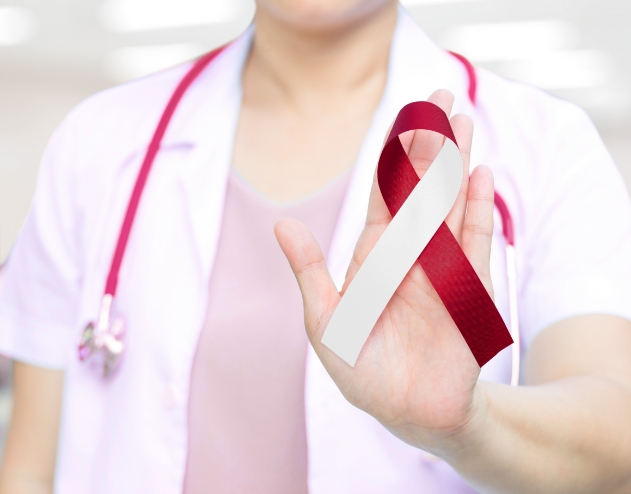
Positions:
(394, 255)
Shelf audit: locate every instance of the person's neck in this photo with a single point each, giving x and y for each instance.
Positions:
(304, 69)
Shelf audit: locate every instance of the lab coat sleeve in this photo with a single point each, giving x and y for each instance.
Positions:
(39, 296)
(576, 241)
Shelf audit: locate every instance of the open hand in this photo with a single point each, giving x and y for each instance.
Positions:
(415, 374)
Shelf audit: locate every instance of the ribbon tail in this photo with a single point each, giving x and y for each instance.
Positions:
(464, 296)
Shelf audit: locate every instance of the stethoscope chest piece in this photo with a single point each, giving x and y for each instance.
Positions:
(101, 345)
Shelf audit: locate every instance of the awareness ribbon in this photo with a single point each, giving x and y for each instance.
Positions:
(418, 232)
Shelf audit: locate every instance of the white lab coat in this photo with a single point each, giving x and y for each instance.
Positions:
(129, 435)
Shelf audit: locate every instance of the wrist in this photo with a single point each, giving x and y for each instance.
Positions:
(467, 439)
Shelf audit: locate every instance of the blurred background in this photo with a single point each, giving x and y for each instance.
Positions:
(54, 53)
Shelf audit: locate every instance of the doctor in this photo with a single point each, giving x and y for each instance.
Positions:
(219, 390)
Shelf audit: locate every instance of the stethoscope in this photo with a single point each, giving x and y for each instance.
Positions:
(508, 233)
(102, 343)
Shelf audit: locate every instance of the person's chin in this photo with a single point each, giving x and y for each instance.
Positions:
(321, 15)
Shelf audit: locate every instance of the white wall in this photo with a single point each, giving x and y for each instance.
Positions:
(618, 141)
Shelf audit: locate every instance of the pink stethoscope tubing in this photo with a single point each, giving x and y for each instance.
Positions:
(511, 278)
(106, 337)
(102, 342)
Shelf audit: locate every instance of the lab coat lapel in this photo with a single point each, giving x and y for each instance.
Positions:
(210, 113)
(341, 438)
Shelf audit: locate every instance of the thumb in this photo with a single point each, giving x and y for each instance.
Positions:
(319, 295)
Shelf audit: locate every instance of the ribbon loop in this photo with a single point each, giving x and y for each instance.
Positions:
(418, 232)
(422, 115)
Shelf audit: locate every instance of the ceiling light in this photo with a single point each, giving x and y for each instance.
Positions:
(409, 3)
(562, 69)
(132, 62)
(17, 24)
(143, 15)
(510, 40)
(611, 99)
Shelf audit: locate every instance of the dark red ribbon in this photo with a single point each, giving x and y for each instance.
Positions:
(443, 261)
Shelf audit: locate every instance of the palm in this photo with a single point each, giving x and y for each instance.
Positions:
(415, 373)
(415, 367)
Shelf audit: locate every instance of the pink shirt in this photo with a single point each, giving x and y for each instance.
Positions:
(246, 404)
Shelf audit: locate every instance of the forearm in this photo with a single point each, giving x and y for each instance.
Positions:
(572, 435)
(15, 484)
(28, 465)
